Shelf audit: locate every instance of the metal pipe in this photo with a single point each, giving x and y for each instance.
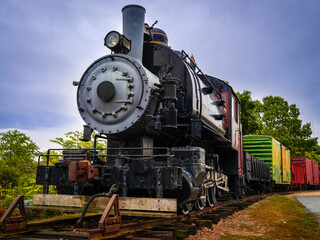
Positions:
(133, 28)
(113, 189)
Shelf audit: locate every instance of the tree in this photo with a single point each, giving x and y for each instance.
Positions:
(274, 116)
(17, 157)
(73, 141)
(17, 172)
(250, 118)
(314, 154)
(281, 121)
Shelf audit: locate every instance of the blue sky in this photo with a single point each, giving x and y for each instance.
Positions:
(269, 47)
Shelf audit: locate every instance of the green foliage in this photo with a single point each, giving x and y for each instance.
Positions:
(17, 155)
(73, 141)
(54, 157)
(313, 154)
(250, 118)
(274, 116)
(26, 186)
(18, 166)
(281, 121)
(17, 160)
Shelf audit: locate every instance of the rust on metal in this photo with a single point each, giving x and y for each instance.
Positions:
(80, 171)
(111, 227)
(8, 223)
(108, 224)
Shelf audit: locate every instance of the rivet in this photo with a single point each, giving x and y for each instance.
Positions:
(124, 74)
(93, 77)
(131, 79)
(130, 85)
(130, 94)
(94, 109)
(88, 88)
(114, 114)
(88, 100)
(103, 115)
(103, 69)
(124, 107)
(114, 68)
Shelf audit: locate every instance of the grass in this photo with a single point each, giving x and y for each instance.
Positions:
(279, 217)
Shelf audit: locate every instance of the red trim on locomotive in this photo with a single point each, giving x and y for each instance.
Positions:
(227, 109)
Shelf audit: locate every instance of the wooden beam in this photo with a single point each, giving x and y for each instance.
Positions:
(126, 203)
(66, 209)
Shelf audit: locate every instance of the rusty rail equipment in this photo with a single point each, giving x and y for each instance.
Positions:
(113, 227)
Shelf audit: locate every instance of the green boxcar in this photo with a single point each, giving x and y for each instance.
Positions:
(268, 149)
(286, 165)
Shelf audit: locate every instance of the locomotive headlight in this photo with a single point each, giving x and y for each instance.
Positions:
(117, 42)
(112, 39)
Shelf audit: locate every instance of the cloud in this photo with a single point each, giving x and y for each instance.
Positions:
(269, 48)
(42, 135)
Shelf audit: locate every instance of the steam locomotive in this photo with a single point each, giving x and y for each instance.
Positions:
(172, 130)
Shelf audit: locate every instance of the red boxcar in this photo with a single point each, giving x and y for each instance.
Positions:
(311, 170)
(298, 176)
(315, 173)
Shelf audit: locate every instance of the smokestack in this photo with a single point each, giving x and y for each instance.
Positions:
(133, 28)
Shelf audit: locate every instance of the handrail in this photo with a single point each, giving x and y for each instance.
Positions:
(194, 66)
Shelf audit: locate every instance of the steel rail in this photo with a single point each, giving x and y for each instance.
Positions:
(179, 221)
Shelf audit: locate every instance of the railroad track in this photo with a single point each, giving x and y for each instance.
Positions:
(178, 227)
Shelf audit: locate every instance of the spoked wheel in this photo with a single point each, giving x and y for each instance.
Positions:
(200, 203)
(211, 196)
(186, 208)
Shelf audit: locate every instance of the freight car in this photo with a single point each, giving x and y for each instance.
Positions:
(298, 176)
(305, 173)
(272, 152)
(172, 130)
(257, 175)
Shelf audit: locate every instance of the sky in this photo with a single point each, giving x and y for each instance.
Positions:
(268, 47)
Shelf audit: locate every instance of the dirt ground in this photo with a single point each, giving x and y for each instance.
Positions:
(231, 225)
(240, 223)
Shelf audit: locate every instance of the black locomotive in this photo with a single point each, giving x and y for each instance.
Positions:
(172, 130)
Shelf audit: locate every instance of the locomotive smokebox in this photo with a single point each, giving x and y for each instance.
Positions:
(133, 28)
(115, 91)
